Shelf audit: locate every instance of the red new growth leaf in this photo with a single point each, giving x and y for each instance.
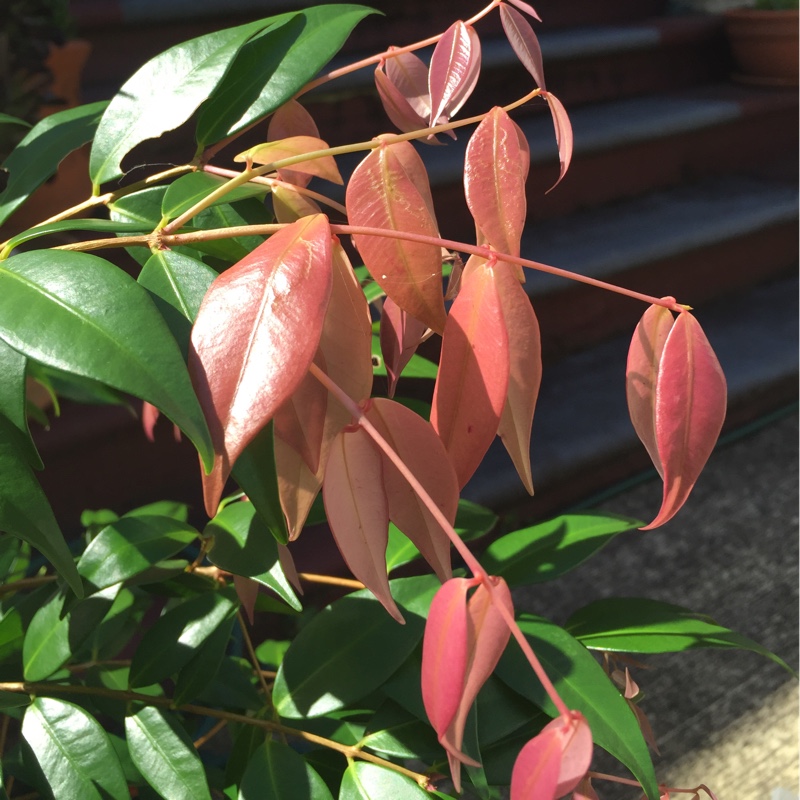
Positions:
(585, 791)
(495, 170)
(289, 205)
(409, 75)
(472, 383)
(524, 43)
(454, 70)
(247, 592)
(150, 415)
(690, 403)
(255, 335)
(421, 450)
(644, 358)
(525, 373)
(554, 762)
(358, 511)
(322, 167)
(528, 9)
(400, 335)
(384, 193)
(445, 653)
(291, 119)
(563, 129)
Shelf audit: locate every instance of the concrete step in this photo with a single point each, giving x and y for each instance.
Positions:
(583, 440)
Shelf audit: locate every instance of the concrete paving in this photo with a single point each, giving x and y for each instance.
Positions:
(724, 718)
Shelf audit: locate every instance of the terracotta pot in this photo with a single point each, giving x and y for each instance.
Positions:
(764, 45)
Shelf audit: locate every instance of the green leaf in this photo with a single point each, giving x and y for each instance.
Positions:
(117, 628)
(18, 612)
(51, 639)
(274, 66)
(165, 756)
(234, 687)
(243, 545)
(248, 739)
(131, 545)
(175, 637)
(417, 367)
(24, 510)
(13, 403)
(271, 652)
(639, 625)
(256, 473)
(279, 773)
(190, 189)
(349, 649)
(204, 665)
(163, 94)
(396, 733)
(95, 225)
(582, 684)
(38, 155)
(100, 324)
(548, 550)
(364, 781)
(7, 119)
(73, 751)
(161, 508)
(229, 251)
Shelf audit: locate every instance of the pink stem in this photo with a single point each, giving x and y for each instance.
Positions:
(463, 550)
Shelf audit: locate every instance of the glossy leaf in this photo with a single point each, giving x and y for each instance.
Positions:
(641, 376)
(165, 755)
(324, 167)
(350, 649)
(472, 384)
(495, 171)
(409, 75)
(455, 66)
(398, 107)
(163, 94)
(243, 545)
(523, 41)
(400, 334)
(101, 325)
(395, 732)
(37, 156)
(55, 633)
(73, 751)
(383, 193)
(525, 372)
(292, 119)
(190, 189)
(96, 225)
(690, 405)
(584, 686)
(174, 638)
(278, 771)
(547, 550)
(563, 130)
(255, 335)
(537, 766)
(421, 450)
(289, 205)
(272, 67)
(365, 781)
(13, 402)
(25, 511)
(131, 545)
(357, 508)
(526, 7)
(640, 625)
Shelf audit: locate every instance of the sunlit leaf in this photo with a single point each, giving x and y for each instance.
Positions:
(189, 189)
(691, 400)
(73, 751)
(454, 70)
(383, 193)
(289, 205)
(365, 781)
(523, 41)
(281, 772)
(96, 225)
(165, 755)
(397, 106)
(13, 402)
(563, 129)
(270, 152)
(292, 119)
(255, 335)
(472, 384)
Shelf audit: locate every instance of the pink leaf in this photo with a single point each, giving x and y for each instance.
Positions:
(577, 753)
(291, 119)
(488, 637)
(298, 486)
(644, 359)
(691, 398)
(525, 373)
(563, 128)
(524, 43)
(445, 649)
(454, 70)
(409, 75)
(358, 512)
(383, 193)
(322, 167)
(289, 206)
(495, 170)
(528, 9)
(397, 106)
(400, 335)
(421, 450)
(247, 592)
(472, 383)
(255, 335)
(150, 415)
(289, 570)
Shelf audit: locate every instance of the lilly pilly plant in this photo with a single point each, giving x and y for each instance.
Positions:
(134, 671)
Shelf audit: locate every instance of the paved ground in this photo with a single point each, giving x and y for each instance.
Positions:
(725, 718)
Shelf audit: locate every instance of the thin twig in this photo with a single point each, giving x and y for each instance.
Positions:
(251, 651)
(26, 583)
(347, 583)
(198, 743)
